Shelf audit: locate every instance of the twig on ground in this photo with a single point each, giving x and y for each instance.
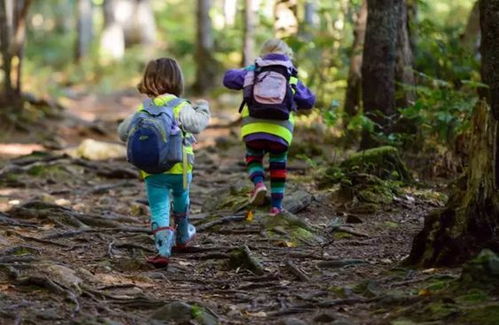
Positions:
(297, 272)
(43, 241)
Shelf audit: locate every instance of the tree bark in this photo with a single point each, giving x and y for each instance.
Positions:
(378, 68)
(404, 73)
(85, 26)
(309, 9)
(471, 35)
(5, 37)
(206, 67)
(470, 220)
(12, 39)
(353, 92)
(309, 22)
(249, 33)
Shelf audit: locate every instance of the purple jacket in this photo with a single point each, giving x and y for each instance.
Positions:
(234, 79)
(303, 97)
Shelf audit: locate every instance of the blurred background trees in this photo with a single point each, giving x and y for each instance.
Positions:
(399, 72)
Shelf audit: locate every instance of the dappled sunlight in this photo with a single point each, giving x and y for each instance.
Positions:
(10, 150)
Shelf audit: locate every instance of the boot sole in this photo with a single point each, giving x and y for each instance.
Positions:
(258, 198)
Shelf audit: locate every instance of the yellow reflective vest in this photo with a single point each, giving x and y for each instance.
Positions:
(282, 129)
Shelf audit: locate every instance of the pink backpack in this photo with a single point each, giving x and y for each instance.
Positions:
(267, 90)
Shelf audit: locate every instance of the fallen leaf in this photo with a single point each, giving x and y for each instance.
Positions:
(249, 216)
(424, 292)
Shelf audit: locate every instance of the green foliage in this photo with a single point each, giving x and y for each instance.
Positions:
(440, 112)
(439, 53)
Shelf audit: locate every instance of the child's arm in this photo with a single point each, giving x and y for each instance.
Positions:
(124, 127)
(194, 119)
(303, 97)
(234, 78)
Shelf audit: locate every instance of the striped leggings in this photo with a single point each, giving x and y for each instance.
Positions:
(278, 155)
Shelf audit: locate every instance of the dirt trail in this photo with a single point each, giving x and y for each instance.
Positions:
(74, 237)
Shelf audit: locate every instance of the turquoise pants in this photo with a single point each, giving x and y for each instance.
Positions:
(160, 187)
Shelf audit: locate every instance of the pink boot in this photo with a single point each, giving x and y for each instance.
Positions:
(258, 194)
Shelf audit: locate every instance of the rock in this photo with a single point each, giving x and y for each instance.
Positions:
(97, 150)
(233, 197)
(243, 257)
(483, 269)
(296, 201)
(383, 162)
(62, 275)
(292, 228)
(181, 312)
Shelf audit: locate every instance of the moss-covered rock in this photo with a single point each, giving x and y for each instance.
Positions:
(482, 270)
(287, 226)
(383, 162)
(366, 192)
(232, 198)
(368, 179)
(243, 257)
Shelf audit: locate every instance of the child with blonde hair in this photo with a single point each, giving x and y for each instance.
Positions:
(271, 94)
(159, 142)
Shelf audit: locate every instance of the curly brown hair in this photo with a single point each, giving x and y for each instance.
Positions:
(162, 76)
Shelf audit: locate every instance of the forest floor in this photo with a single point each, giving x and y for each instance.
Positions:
(74, 237)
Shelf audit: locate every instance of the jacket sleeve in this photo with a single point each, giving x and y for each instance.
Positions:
(124, 127)
(304, 98)
(194, 119)
(234, 78)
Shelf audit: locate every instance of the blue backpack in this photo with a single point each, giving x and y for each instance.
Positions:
(155, 141)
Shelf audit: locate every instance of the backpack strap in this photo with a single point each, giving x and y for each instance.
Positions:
(242, 106)
(153, 109)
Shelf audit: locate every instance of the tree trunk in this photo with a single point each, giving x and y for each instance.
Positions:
(5, 37)
(470, 38)
(470, 221)
(309, 22)
(353, 92)
(378, 68)
(85, 29)
(286, 21)
(309, 9)
(205, 63)
(404, 74)
(12, 39)
(21, 12)
(249, 33)
(112, 44)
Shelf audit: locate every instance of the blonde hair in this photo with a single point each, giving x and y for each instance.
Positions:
(162, 76)
(275, 45)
